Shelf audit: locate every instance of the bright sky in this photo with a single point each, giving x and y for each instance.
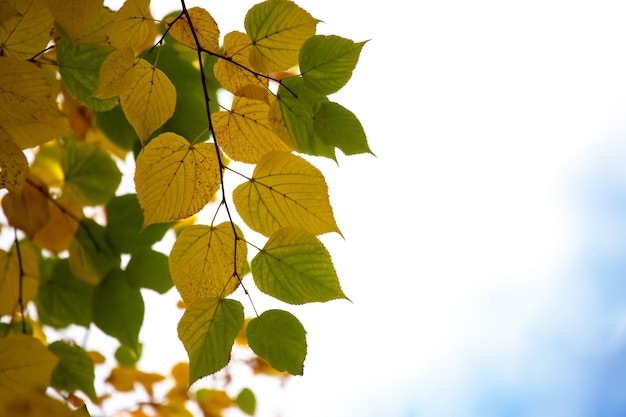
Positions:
(482, 243)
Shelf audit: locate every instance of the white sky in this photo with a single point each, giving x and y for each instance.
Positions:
(458, 234)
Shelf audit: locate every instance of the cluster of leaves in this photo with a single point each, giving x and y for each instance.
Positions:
(82, 87)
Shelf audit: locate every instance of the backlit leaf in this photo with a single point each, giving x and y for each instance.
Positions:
(213, 401)
(278, 337)
(58, 232)
(292, 116)
(296, 268)
(116, 73)
(35, 404)
(208, 329)
(25, 28)
(29, 114)
(339, 127)
(277, 28)
(75, 370)
(130, 27)
(231, 73)
(204, 27)
(27, 210)
(63, 299)
(149, 99)
(118, 309)
(285, 191)
(13, 166)
(327, 62)
(244, 133)
(174, 179)
(75, 16)
(25, 364)
(202, 261)
(12, 282)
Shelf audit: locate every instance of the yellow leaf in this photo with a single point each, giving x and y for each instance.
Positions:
(116, 72)
(232, 76)
(124, 379)
(277, 28)
(75, 16)
(175, 179)
(202, 261)
(96, 357)
(27, 210)
(58, 233)
(172, 410)
(285, 191)
(13, 281)
(26, 365)
(13, 166)
(96, 32)
(25, 27)
(179, 392)
(244, 133)
(32, 404)
(129, 27)
(204, 25)
(149, 100)
(29, 114)
(213, 401)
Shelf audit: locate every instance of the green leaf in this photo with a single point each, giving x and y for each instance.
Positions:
(292, 118)
(149, 269)
(339, 127)
(127, 357)
(63, 299)
(246, 401)
(327, 62)
(295, 267)
(208, 329)
(79, 66)
(91, 258)
(91, 175)
(124, 222)
(118, 309)
(16, 327)
(278, 337)
(75, 370)
(117, 128)
(277, 29)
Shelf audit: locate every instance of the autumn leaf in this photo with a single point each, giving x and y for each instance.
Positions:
(28, 210)
(91, 258)
(285, 190)
(19, 277)
(278, 337)
(25, 365)
(244, 133)
(208, 329)
(130, 27)
(232, 72)
(202, 261)
(175, 179)
(296, 268)
(29, 114)
(116, 73)
(149, 100)
(213, 401)
(13, 166)
(75, 16)
(277, 28)
(62, 222)
(25, 27)
(204, 27)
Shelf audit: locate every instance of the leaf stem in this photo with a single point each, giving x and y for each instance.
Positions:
(20, 298)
